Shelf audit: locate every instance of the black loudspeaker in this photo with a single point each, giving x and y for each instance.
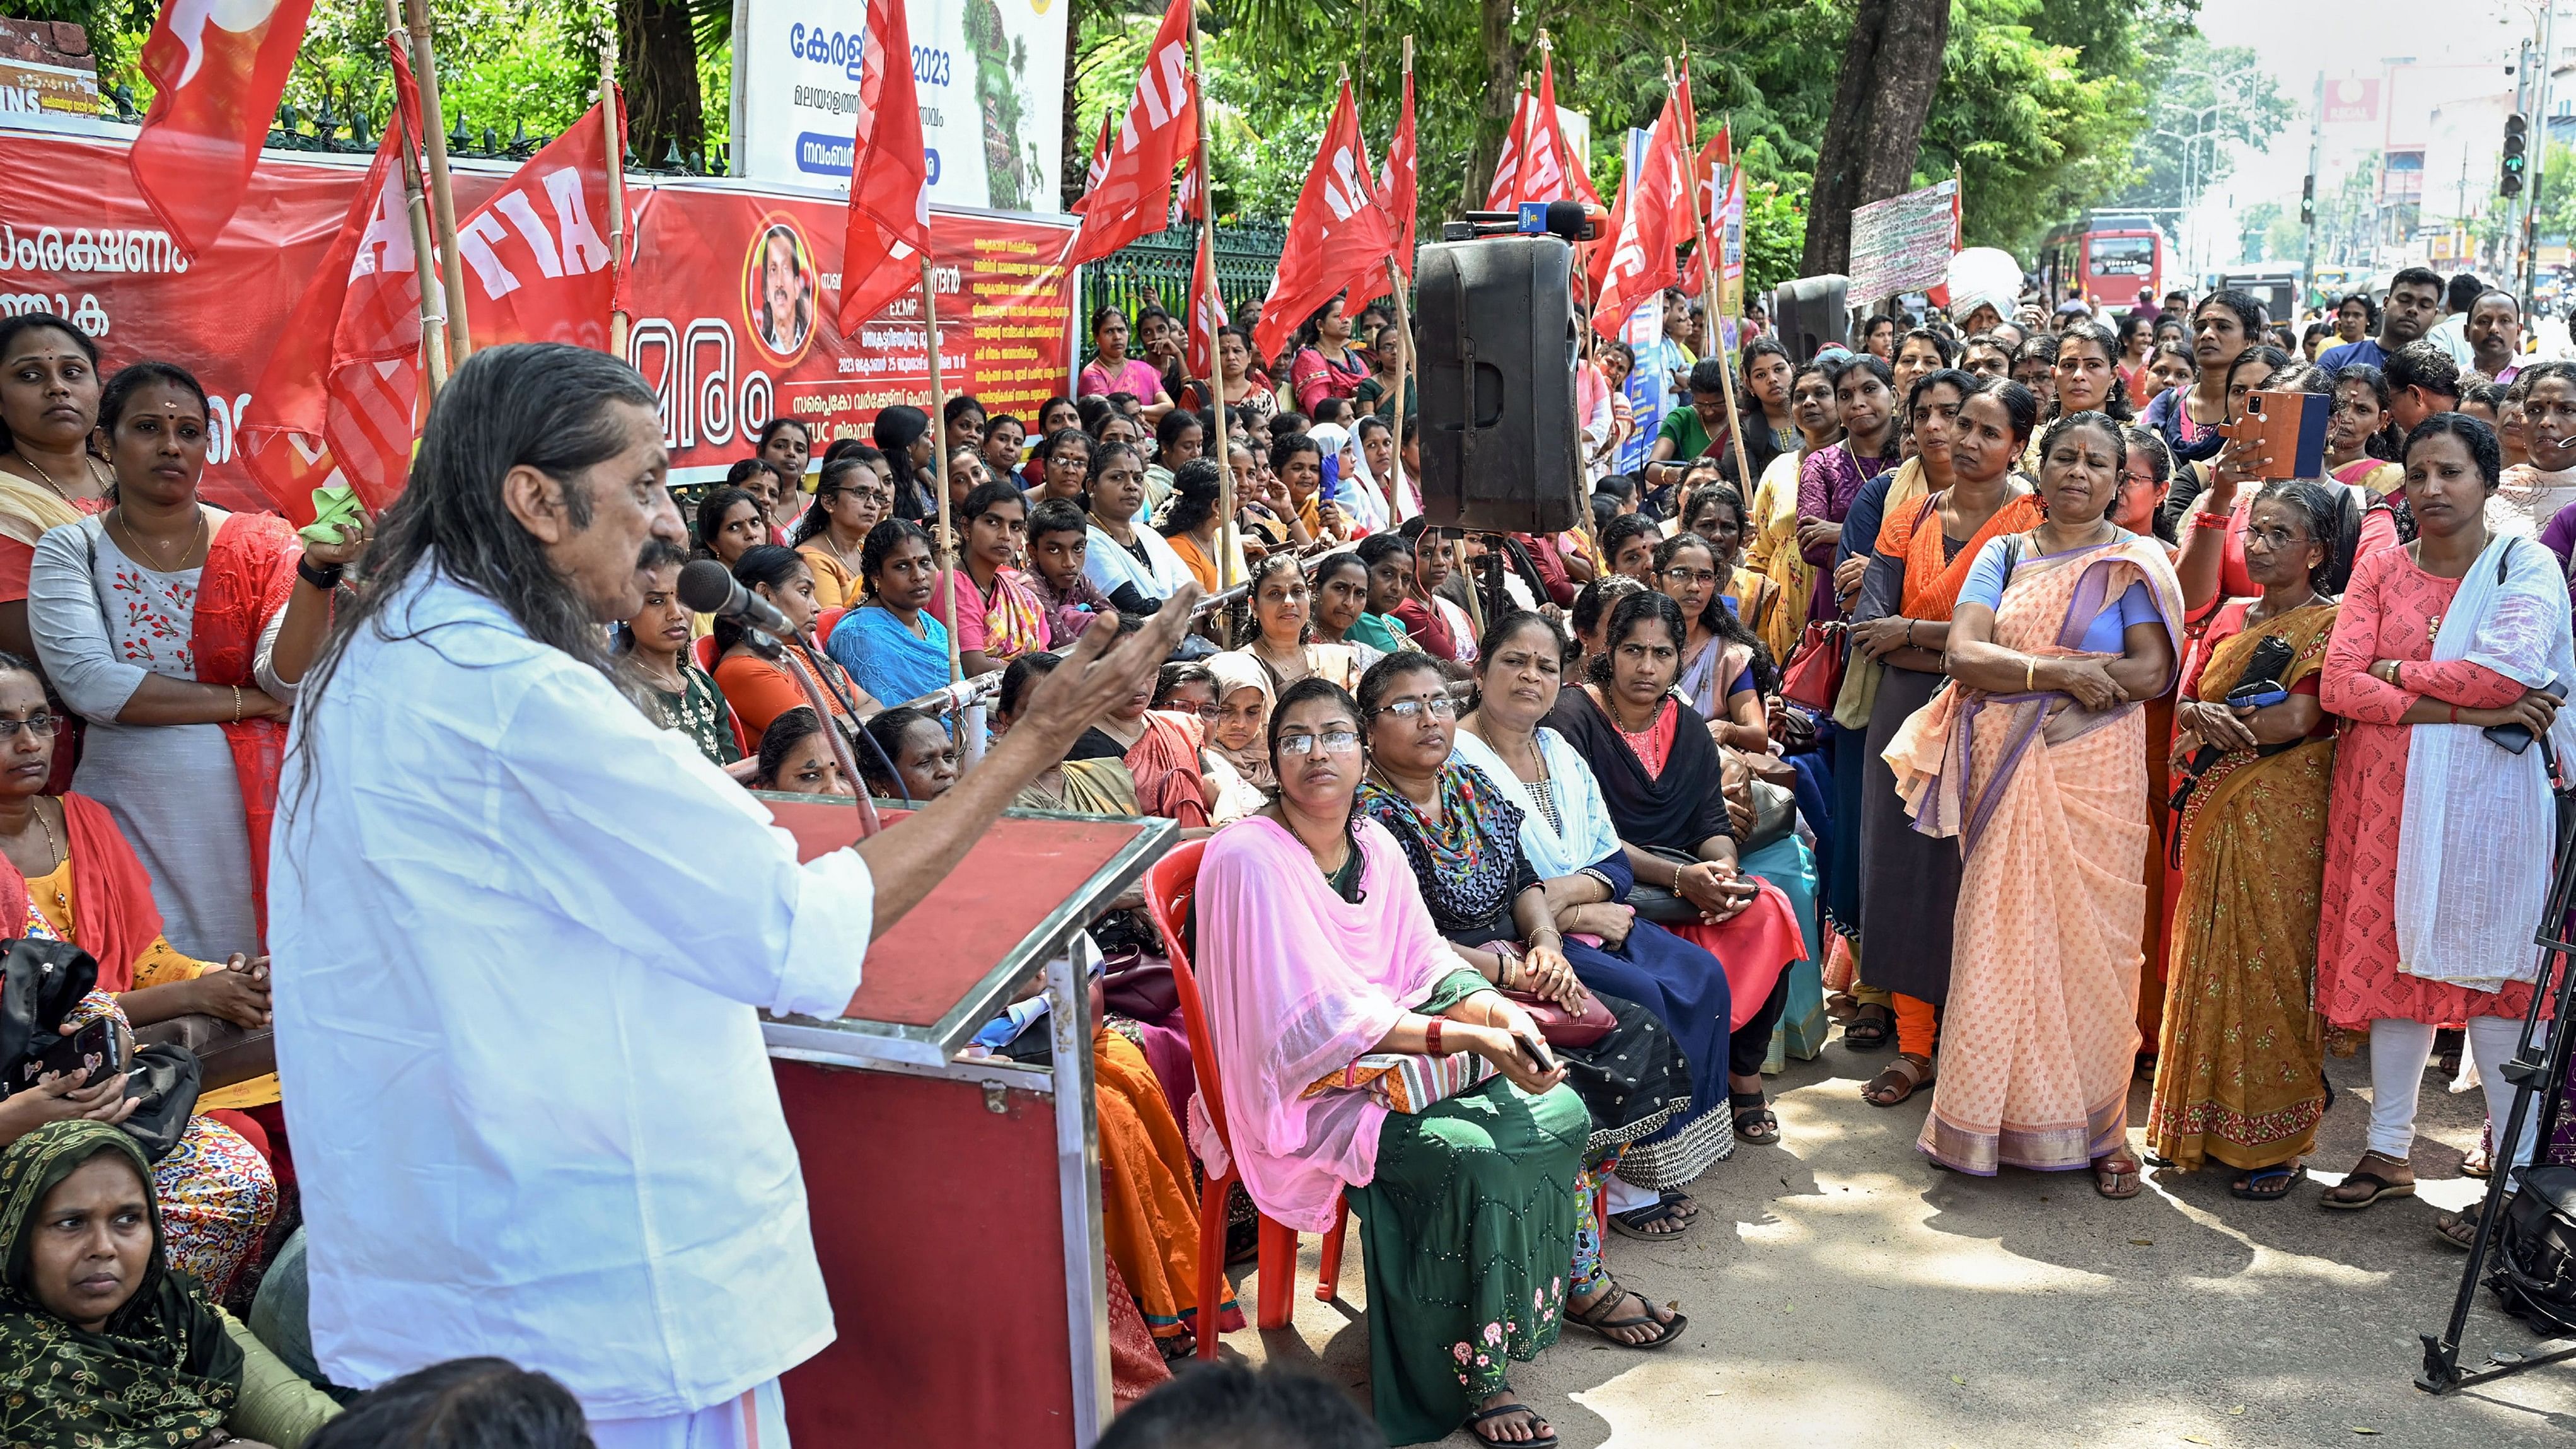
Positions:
(1810, 313)
(1494, 339)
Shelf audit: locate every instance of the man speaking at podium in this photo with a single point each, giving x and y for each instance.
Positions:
(522, 937)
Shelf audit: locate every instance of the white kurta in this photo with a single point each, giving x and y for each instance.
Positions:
(521, 940)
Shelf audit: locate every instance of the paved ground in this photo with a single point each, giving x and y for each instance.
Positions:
(1841, 1290)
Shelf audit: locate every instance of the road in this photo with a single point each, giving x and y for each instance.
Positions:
(1843, 1291)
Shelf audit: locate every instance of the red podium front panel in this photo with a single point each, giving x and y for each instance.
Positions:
(956, 1201)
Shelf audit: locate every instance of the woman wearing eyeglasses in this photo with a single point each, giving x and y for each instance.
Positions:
(68, 874)
(1315, 953)
(851, 497)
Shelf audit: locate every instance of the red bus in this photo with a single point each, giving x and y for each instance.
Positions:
(2105, 258)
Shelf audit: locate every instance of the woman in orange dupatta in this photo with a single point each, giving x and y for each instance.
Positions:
(2036, 760)
(179, 632)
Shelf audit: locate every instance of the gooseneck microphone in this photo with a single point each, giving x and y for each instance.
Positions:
(710, 588)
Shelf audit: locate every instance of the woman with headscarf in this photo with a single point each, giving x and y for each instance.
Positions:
(1377, 468)
(902, 433)
(101, 1341)
(1343, 482)
(1236, 750)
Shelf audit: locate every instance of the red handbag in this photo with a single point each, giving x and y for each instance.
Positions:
(1813, 677)
(1562, 1027)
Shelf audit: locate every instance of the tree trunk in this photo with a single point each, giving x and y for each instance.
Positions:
(658, 65)
(1503, 60)
(1890, 70)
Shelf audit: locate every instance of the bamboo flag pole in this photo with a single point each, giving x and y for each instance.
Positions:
(611, 119)
(1710, 264)
(939, 464)
(442, 196)
(1403, 330)
(1228, 545)
(433, 314)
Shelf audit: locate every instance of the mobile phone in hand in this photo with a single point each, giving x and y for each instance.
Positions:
(1534, 1051)
(2515, 737)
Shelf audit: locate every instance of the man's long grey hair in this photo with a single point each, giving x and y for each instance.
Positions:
(540, 404)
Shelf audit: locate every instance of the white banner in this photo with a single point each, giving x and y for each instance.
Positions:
(990, 74)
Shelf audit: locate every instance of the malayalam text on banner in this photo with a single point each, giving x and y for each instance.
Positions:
(1903, 244)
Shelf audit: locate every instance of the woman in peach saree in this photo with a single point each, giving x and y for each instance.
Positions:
(2035, 759)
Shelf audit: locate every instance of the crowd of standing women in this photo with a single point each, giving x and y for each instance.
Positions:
(1966, 683)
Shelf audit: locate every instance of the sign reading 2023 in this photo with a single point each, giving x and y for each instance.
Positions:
(989, 76)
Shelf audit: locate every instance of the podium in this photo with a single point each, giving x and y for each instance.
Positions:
(956, 1204)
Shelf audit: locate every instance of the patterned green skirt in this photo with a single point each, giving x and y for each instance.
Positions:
(1467, 1235)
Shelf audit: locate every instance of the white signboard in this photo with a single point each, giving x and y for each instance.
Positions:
(989, 74)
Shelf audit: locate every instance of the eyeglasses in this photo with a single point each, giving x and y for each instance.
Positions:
(1204, 711)
(1335, 742)
(1438, 707)
(42, 726)
(1690, 576)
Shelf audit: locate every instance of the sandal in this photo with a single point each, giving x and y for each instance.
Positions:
(2460, 1230)
(1903, 1077)
(1867, 1033)
(1681, 1202)
(2108, 1172)
(1840, 1005)
(1642, 1222)
(2256, 1185)
(1754, 1122)
(2380, 1187)
(1545, 1438)
(1597, 1318)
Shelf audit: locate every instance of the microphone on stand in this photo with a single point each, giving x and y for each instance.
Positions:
(710, 588)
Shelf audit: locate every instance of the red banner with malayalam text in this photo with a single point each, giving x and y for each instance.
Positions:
(731, 289)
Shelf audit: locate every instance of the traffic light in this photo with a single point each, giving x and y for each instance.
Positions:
(2308, 201)
(2515, 129)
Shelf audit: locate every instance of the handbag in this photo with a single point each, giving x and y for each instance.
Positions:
(1136, 985)
(1655, 903)
(1814, 674)
(226, 1054)
(2534, 1276)
(41, 985)
(1561, 1027)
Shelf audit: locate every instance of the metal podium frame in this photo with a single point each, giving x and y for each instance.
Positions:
(1060, 948)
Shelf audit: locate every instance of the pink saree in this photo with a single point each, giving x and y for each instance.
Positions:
(2049, 803)
(1298, 982)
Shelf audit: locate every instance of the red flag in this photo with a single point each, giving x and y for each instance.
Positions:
(1641, 256)
(1338, 235)
(339, 397)
(1189, 199)
(1098, 168)
(1507, 167)
(1207, 314)
(1399, 185)
(217, 68)
(889, 218)
(1718, 152)
(1134, 197)
(536, 257)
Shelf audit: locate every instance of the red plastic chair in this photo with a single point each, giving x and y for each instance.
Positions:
(1168, 886)
(705, 645)
(823, 622)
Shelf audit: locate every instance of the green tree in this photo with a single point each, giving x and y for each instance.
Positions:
(2037, 130)
(2253, 230)
(2210, 96)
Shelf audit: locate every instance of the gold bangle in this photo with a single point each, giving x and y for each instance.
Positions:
(237, 704)
(2029, 673)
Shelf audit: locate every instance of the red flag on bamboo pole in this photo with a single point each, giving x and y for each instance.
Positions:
(889, 215)
(1337, 237)
(217, 68)
(1134, 196)
(1207, 314)
(1098, 168)
(339, 397)
(1720, 151)
(1507, 168)
(1400, 184)
(1641, 254)
(1549, 169)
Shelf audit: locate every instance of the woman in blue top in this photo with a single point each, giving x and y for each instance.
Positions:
(892, 645)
